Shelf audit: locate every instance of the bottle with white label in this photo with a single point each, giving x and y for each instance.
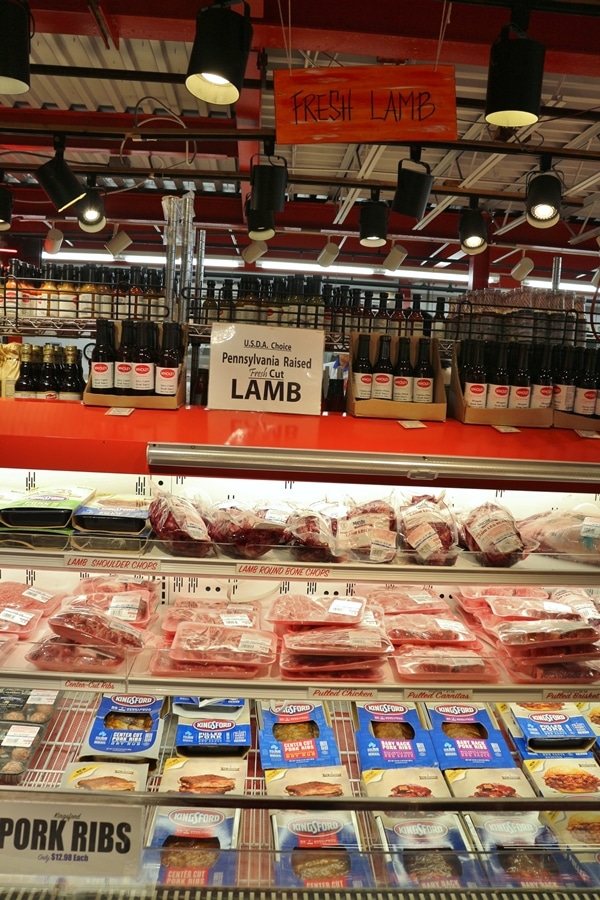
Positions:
(498, 389)
(383, 371)
(362, 369)
(169, 360)
(403, 374)
(476, 388)
(102, 369)
(519, 393)
(585, 388)
(542, 381)
(144, 360)
(563, 396)
(424, 374)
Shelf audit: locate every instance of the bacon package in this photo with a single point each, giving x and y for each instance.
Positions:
(197, 642)
(91, 627)
(180, 526)
(428, 532)
(245, 533)
(318, 609)
(410, 598)
(312, 537)
(56, 654)
(428, 629)
(491, 533)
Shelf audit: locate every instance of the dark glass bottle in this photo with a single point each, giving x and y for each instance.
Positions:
(144, 360)
(210, 308)
(424, 374)
(381, 318)
(70, 386)
(519, 394)
(102, 369)
(541, 380)
(124, 359)
(362, 369)
(563, 396)
(397, 324)
(585, 388)
(168, 363)
(438, 324)
(476, 385)
(26, 383)
(383, 371)
(464, 360)
(498, 387)
(415, 320)
(355, 311)
(403, 374)
(335, 401)
(366, 319)
(47, 386)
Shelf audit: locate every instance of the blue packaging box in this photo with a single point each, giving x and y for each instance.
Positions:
(126, 726)
(391, 735)
(464, 735)
(295, 733)
(557, 727)
(208, 731)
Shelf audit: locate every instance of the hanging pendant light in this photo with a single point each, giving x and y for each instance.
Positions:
(372, 220)
(472, 230)
(219, 56)
(414, 186)
(515, 76)
(261, 223)
(58, 181)
(90, 209)
(328, 254)
(544, 196)
(269, 182)
(15, 28)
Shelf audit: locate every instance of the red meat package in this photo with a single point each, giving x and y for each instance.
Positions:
(491, 533)
(369, 532)
(550, 632)
(312, 537)
(428, 532)
(15, 595)
(114, 584)
(429, 629)
(180, 526)
(213, 612)
(523, 672)
(410, 598)
(331, 641)
(162, 664)
(57, 654)
(444, 664)
(197, 642)
(134, 607)
(319, 609)
(573, 535)
(94, 628)
(22, 623)
(245, 533)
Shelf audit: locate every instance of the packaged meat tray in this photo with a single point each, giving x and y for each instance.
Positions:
(368, 532)
(572, 535)
(428, 532)
(18, 743)
(564, 777)
(522, 672)
(22, 596)
(491, 533)
(245, 533)
(320, 781)
(133, 607)
(22, 623)
(550, 632)
(113, 513)
(56, 654)
(499, 784)
(7, 643)
(212, 612)
(35, 707)
(421, 663)
(528, 608)
(303, 664)
(118, 584)
(105, 776)
(543, 654)
(429, 630)
(410, 598)
(163, 665)
(197, 642)
(367, 641)
(369, 674)
(294, 734)
(43, 507)
(180, 527)
(312, 538)
(207, 777)
(97, 629)
(318, 609)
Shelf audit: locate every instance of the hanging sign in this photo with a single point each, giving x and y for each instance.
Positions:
(67, 839)
(359, 104)
(259, 367)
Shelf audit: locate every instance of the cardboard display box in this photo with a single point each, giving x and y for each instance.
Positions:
(574, 421)
(520, 418)
(387, 409)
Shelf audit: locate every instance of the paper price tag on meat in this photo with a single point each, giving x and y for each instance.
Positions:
(383, 545)
(343, 607)
(16, 616)
(253, 644)
(236, 621)
(590, 527)
(41, 596)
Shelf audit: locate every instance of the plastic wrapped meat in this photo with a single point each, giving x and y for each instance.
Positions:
(410, 598)
(427, 629)
(196, 642)
(367, 641)
(428, 532)
(368, 531)
(91, 627)
(492, 534)
(570, 535)
(180, 526)
(55, 654)
(312, 537)
(320, 609)
(244, 533)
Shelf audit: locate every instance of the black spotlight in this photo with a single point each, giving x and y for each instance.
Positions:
(472, 229)
(58, 181)
(372, 221)
(14, 46)
(261, 223)
(220, 53)
(544, 196)
(269, 183)
(90, 210)
(414, 186)
(515, 75)
(6, 202)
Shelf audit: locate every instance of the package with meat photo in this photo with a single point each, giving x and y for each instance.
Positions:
(427, 530)
(295, 733)
(126, 726)
(465, 735)
(317, 781)
(105, 776)
(565, 777)
(579, 830)
(392, 734)
(210, 776)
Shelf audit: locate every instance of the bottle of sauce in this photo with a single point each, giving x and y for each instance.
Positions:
(519, 393)
(26, 302)
(476, 385)
(381, 318)
(585, 386)
(144, 360)
(67, 294)
(138, 307)
(124, 358)
(102, 368)
(362, 369)
(498, 386)
(383, 371)
(542, 380)
(335, 401)
(403, 374)
(70, 386)
(47, 300)
(397, 324)
(226, 305)
(26, 383)
(210, 308)
(415, 322)
(86, 294)
(438, 324)
(103, 308)
(168, 363)
(366, 319)
(563, 396)
(424, 374)
(10, 290)
(47, 386)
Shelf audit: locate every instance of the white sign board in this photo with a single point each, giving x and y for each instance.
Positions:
(70, 839)
(267, 369)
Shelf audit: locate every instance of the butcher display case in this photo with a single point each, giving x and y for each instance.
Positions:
(297, 462)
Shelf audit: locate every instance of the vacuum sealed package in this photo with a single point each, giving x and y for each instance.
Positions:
(312, 536)
(572, 535)
(428, 532)
(316, 609)
(180, 526)
(491, 533)
(368, 532)
(197, 642)
(245, 533)
(408, 598)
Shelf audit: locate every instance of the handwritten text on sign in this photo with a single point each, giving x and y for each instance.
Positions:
(388, 103)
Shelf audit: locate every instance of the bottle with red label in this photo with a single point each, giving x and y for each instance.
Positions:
(381, 318)
(397, 323)
(383, 371)
(403, 374)
(585, 388)
(476, 388)
(498, 389)
(424, 374)
(144, 359)
(168, 364)
(519, 394)
(415, 323)
(102, 368)
(563, 396)
(362, 369)
(124, 358)
(542, 381)
(366, 318)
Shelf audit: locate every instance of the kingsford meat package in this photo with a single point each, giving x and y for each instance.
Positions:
(580, 832)
(217, 728)
(390, 735)
(126, 726)
(554, 728)
(192, 846)
(565, 776)
(295, 733)
(466, 736)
